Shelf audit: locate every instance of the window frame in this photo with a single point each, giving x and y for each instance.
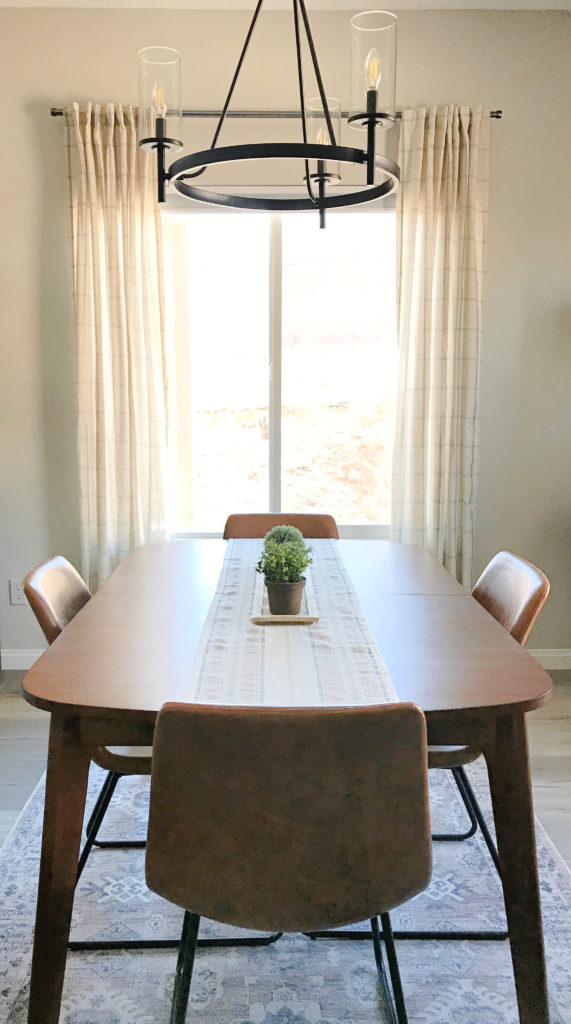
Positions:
(177, 206)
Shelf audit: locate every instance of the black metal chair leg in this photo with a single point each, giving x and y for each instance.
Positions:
(394, 968)
(383, 981)
(465, 788)
(96, 818)
(127, 944)
(120, 844)
(112, 844)
(458, 837)
(360, 935)
(111, 779)
(184, 967)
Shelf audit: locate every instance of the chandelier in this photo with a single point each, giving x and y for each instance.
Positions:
(372, 106)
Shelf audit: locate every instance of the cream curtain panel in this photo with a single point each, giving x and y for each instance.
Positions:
(121, 354)
(441, 240)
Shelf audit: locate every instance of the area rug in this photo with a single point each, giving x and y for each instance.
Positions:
(295, 981)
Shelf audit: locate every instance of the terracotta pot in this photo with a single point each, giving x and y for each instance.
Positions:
(284, 598)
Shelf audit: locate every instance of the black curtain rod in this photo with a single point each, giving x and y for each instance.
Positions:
(257, 114)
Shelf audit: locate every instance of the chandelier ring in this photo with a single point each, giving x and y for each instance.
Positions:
(281, 151)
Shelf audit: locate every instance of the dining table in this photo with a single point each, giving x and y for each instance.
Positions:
(132, 647)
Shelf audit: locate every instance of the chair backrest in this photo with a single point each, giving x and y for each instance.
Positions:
(289, 819)
(56, 593)
(257, 524)
(514, 592)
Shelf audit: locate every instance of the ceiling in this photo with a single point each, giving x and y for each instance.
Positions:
(316, 5)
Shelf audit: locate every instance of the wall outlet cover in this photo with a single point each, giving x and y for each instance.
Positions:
(17, 595)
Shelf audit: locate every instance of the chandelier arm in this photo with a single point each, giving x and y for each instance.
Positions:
(321, 167)
(317, 72)
(302, 97)
(236, 73)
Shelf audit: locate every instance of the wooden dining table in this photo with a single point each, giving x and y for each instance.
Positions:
(131, 649)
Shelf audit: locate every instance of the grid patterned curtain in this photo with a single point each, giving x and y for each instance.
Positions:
(442, 224)
(121, 355)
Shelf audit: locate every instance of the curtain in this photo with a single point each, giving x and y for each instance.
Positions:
(121, 355)
(441, 240)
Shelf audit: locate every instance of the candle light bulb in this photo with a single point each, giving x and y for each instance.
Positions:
(372, 70)
(322, 137)
(159, 99)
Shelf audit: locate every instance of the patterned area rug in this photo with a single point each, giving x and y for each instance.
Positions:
(295, 981)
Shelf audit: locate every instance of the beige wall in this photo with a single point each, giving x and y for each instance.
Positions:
(517, 61)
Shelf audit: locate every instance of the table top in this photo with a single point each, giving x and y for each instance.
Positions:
(131, 648)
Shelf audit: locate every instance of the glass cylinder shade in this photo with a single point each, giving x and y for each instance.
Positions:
(318, 132)
(373, 68)
(160, 113)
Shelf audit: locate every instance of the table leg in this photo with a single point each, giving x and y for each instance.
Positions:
(510, 786)
(66, 786)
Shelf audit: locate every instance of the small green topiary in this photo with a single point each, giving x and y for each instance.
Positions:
(283, 534)
(284, 562)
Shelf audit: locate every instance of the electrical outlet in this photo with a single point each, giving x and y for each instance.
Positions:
(17, 595)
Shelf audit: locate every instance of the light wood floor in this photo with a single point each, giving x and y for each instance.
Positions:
(23, 749)
(550, 745)
(24, 739)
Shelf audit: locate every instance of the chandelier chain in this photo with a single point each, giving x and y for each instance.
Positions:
(302, 96)
(317, 72)
(236, 73)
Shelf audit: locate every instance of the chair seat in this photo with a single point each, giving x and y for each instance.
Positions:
(451, 757)
(125, 760)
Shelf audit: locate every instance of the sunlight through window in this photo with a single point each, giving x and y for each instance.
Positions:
(336, 349)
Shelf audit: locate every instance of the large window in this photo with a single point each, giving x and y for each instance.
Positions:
(285, 364)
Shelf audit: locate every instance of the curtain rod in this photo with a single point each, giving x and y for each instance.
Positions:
(258, 114)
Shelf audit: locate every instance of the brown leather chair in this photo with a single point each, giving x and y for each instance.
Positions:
(513, 591)
(257, 524)
(288, 819)
(56, 593)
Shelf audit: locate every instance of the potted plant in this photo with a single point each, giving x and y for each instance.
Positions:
(282, 563)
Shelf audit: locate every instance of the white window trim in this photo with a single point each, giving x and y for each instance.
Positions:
(275, 366)
(371, 531)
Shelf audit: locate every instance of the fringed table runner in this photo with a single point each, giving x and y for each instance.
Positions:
(334, 661)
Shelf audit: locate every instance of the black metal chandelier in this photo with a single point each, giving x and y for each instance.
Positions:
(373, 72)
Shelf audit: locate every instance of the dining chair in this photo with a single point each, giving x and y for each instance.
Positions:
(56, 593)
(290, 819)
(257, 524)
(513, 591)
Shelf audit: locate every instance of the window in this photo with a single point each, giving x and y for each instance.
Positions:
(284, 346)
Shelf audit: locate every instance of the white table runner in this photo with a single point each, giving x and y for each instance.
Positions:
(334, 661)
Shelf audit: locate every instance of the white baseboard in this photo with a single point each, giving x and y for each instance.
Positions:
(552, 657)
(19, 657)
(548, 657)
